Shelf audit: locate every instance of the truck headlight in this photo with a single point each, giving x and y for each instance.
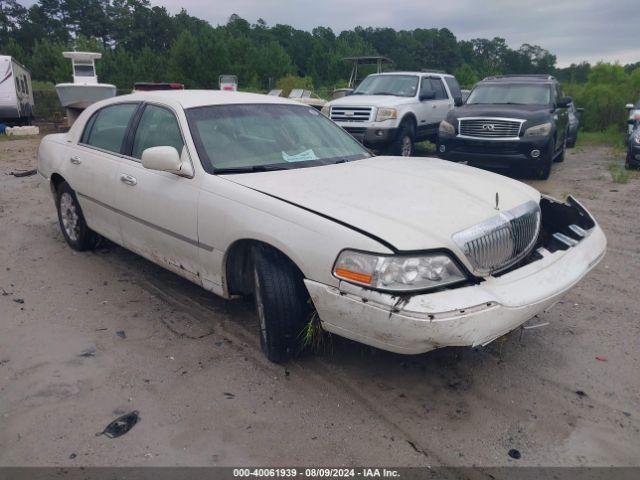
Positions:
(326, 110)
(446, 128)
(397, 273)
(539, 130)
(385, 113)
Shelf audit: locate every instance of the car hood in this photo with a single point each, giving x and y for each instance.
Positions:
(410, 203)
(491, 110)
(371, 101)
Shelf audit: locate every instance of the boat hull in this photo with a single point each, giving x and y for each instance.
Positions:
(73, 95)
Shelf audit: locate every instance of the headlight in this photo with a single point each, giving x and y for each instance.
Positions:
(538, 131)
(397, 272)
(326, 110)
(636, 138)
(446, 128)
(385, 113)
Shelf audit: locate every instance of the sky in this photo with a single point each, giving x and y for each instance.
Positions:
(573, 30)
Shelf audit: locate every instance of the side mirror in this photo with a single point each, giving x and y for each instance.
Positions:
(164, 159)
(428, 95)
(564, 102)
(630, 106)
(458, 101)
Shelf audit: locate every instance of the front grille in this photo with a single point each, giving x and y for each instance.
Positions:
(501, 241)
(350, 114)
(495, 128)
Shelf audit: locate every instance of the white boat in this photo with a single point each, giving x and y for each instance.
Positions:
(85, 88)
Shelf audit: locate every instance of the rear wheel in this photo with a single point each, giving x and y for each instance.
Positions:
(560, 157)
(72, 223)
(282, 304)
(404, 145)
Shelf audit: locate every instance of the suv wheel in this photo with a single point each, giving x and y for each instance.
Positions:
(404, 145)
(560, 157)
(72, 223)
(282, 304)
(543, 169)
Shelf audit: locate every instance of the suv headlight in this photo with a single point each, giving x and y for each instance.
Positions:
(636, 138)
(326, 110)
(385, 113)
(397, 273)
(446, 128)
(539, 130)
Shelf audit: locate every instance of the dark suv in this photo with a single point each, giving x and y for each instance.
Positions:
(509, 121)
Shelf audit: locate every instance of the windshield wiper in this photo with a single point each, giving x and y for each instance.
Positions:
(385, 93)
(251, 169)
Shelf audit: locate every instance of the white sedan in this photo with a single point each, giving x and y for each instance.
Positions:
(248, 194)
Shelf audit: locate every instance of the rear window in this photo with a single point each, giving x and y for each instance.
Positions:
(108, 127)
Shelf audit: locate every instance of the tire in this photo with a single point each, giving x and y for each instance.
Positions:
(71, 219)
(543, 170)
(282, 304)
(560, 157)
(404, 144)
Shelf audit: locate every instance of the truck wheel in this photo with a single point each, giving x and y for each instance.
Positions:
(72, 223)
(282, 304)
(404, 144)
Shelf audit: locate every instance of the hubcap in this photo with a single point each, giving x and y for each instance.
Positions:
(406, 146)
(69, 216)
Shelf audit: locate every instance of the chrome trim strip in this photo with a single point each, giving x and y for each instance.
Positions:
(148, 224)
(504, 119)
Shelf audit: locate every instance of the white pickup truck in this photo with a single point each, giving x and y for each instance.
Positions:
(394, 110)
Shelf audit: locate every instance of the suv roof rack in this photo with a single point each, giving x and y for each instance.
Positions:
(430, 70)
(536, 76)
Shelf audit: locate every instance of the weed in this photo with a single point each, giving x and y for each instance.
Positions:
(314, 337)
(619, 174)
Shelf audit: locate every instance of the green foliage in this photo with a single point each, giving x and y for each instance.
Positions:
(619, 174)
(289, 82)
(466, 76)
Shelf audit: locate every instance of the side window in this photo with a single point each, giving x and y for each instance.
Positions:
(425, 86)
(454, 87)
(26, 85)
(158, 127)
(438, 87)
(108, 129)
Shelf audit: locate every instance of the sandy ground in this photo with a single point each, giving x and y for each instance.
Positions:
(191, 363)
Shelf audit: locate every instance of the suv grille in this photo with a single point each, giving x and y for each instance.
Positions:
(350, 114)
(490, 127)
(501, 241)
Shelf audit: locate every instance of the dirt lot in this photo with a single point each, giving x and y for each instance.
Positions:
(190, 363)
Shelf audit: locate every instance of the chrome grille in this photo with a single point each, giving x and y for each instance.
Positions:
(350, 114)
(496, 128)
(501, 241)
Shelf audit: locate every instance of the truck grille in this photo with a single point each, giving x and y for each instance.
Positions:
(350, 114)
(496, 128)
(501, 241)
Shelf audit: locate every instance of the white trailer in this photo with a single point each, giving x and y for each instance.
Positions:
(16, 93)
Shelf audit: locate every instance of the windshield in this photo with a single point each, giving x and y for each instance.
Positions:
(515, 93)
(84, 70)
(399, 85)
(238, 138)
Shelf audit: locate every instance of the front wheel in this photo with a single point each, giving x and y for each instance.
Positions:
(404, 145)
(282, 304)
(543, 169)
(72, 223)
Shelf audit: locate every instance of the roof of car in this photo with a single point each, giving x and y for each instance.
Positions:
(425, 72)
(201, 98)
(532, 78)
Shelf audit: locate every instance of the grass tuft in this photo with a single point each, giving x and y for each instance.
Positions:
(619, 174)
(314, 337)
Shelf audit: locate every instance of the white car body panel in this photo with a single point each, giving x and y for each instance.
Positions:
(189, 222)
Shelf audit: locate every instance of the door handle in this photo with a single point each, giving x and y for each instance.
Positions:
(434, 106)
(75, 160)
(128, 179)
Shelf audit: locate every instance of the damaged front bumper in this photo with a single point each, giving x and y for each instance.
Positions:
(465, 316)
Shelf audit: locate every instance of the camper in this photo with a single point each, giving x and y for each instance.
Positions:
(16, 94)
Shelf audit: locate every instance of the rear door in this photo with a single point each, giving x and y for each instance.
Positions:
(159, 209)
(92, 172)
(442, 102)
